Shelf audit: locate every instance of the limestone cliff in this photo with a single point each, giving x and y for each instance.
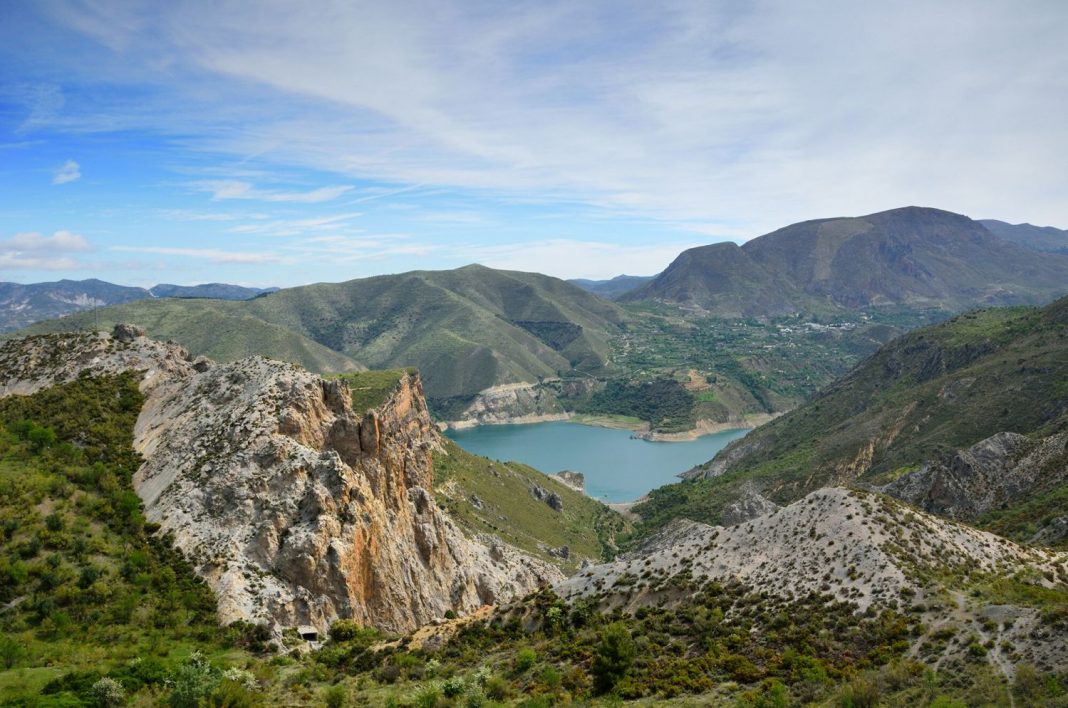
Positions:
(295, 508)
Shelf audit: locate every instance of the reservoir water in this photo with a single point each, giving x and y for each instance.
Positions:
(618, 468)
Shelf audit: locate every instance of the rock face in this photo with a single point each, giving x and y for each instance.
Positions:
(511, 403)
(750, 505)
(857, 547)
(986, 476)
(293, 507)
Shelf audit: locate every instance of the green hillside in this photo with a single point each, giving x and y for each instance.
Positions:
(910, 257)
(86, 590)
(218, 329)
(919, 398)
(465, 329)
(498, 498)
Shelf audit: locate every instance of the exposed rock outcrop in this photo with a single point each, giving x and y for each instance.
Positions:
(574, 480)
(854, 546)
(511, 403)
(293, 507)
(551, 498)
(750, 505)
(986, 476)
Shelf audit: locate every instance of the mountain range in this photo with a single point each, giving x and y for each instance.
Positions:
(22, 305)
(966, 418)
(495, 346)
(911, 257)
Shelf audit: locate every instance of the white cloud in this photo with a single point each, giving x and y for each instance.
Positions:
(33, 241)
(17, 261)
(235, 189)
(69, 171)
(35, 251)
(213, 255)
(757, 114)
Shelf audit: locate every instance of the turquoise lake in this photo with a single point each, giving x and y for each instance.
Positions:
(617, 467)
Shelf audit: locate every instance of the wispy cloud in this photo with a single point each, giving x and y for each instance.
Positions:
(235, 189)
(61, 241)
(35, 251)
(692, 112)
(69, 171)
(213, 255)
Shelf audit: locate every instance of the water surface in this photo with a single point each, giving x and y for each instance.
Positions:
(618, 468)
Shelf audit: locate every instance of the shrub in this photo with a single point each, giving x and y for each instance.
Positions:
(613, 656)
(524, 659)
(108, 693)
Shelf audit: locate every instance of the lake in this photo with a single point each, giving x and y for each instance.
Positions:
(617, 467)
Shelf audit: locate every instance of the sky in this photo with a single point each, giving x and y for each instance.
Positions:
(279, 143)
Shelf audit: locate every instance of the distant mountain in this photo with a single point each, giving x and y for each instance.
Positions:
(22, 305)
(1045, 239)
(967, 418)
(913, 257)
(466, 329)
(614, 288)
(217, 291)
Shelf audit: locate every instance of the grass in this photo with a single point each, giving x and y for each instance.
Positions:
(370, 389)
(485, 496)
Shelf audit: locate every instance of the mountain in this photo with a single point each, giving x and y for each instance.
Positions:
(614, 288)
(1044, 239)
(911, 257)
(467, 329)
(217, 329)
(22, 305)
(972, 406)
(218, 291)
(282, 488)
(171, 525)
(844, 598)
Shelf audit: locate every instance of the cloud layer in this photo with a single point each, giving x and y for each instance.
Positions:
(718, 113)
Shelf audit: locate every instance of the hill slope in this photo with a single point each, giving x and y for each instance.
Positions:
(22, 305)
(216, 329)
(614, 288)
(911, 257)
(921, 398)
(466, 329)
(1046, 239)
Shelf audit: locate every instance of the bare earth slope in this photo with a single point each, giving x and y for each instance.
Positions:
(857, 547)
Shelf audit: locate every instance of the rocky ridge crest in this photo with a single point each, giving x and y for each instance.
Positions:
(295, 508)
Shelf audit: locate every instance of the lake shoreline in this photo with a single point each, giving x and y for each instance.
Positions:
(617, 467)
(639, 428)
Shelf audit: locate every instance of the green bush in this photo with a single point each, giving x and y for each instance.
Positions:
(524, 659)
(613, 656)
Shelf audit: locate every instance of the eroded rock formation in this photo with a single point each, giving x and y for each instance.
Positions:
(295, 508)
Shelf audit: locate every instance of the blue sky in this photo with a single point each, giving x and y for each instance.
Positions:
(281, 143)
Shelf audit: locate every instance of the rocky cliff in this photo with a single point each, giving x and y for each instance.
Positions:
(294, 507)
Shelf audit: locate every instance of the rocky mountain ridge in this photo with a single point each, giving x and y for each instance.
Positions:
(295, 508)
(857, 547)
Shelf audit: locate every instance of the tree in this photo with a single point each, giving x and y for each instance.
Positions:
(614, 655)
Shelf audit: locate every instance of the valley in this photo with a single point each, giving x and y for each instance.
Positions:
(891, 530)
